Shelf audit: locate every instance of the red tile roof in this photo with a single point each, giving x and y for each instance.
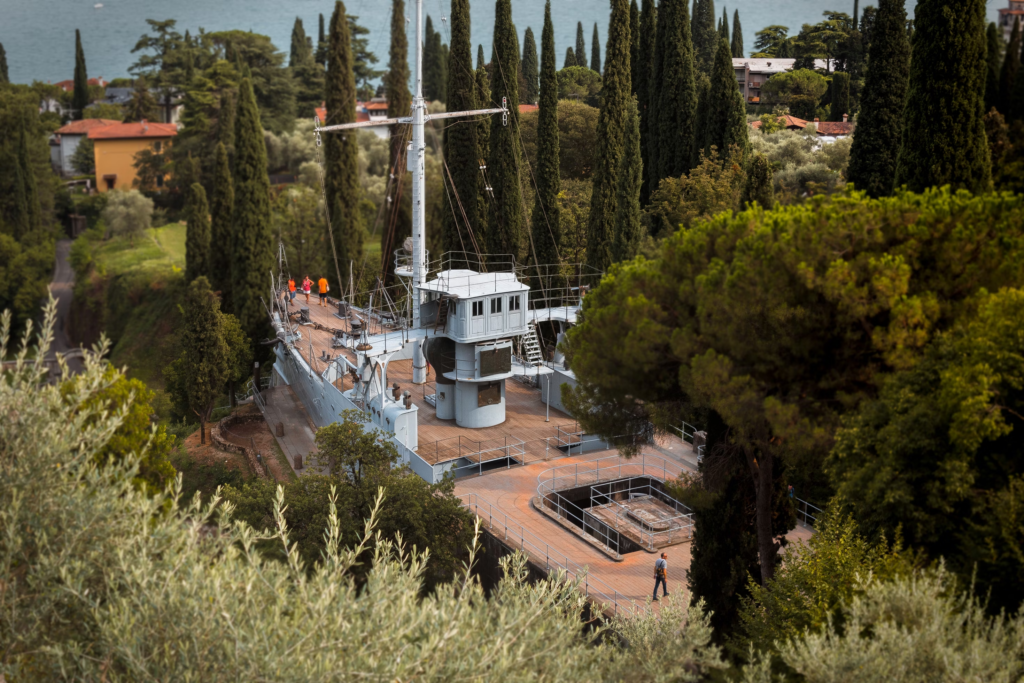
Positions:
(84, 126)
(69, 85)
(835, 127)
(523, 108)
(142, 129)
(788, 121)
(376, 106)
(321, 113)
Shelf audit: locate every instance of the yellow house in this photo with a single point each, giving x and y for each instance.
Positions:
(116, 146)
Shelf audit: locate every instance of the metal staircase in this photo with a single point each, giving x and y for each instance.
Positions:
(531, 345)
(443, 305)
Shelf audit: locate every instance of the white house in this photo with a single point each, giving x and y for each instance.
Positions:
(68, 138)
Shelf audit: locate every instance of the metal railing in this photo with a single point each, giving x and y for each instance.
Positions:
(650, 536)
(513, 534)
(806, 512)
(512, 452)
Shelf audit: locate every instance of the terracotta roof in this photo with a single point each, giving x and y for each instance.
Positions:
(142, 129)
(376, 106)
(84, 126)
(321, 113)
(69, 85)
(523, 108)
(788, 121)
(835, 127)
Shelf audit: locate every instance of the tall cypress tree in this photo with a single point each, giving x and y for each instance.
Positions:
(505, 224)
(1011, 65)
(252, 252)
(723, 28)
(595, 52)
(4, 75)
(299, 46)
(204, 351)
(705, 37)
(726, 113)
(529, 68)
(431, 62)
(581, 45)
(570, 58)
(27, 216)
(758, 186)
(643, 89)
(628, 229)
(610, 138)
(634, 45)
(321, 44)
(396, 84)
(1015, 107)
(80, 96)
(483, 142)
(462, 157)
(17, 212)
(545, 219)
(875, 146)
(197, 234)
(342, 150)
(994, 57)
(674, 95)
(737, 35)
(840, 96)
(946, 145)
(222, 202)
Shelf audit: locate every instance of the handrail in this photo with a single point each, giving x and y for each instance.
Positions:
(649, 465)
(803, 508)
(529, 543)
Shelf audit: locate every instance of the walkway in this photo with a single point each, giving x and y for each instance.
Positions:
(284, 407)
(62, 289)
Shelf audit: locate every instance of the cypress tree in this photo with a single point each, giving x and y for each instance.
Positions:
(1011, 65)
(222, 201)
(644, 92)
(726, 119)
(321, 44)
(545, 219)
(25, 214)
(595, 52)
(252, 252)
(995, 60)
(570, 58)
(737, 35)
(628, 229)
(1015, 107)
(758, 187)
(634, 45)
(840, 96)
(876, 144)
(300, 46)
(505, 224)
(946, 145)
(197, 235)
(226, 120)
(705, 37)
(433, 66)
(702, 121)
(723, 28)
(80, 96)
(4, 75)
(529, 68)
(483, 143)
(342, 150)
(396, 83)
(581, 45)
(461, 154)
(674, 94)
(204, 351)
(610, 138)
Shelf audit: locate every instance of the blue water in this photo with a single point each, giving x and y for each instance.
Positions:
(39, 35)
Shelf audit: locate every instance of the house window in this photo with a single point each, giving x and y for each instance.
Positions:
(159, 181)
(496, 305)
(513, 303)
(478, 308)
(157, 146)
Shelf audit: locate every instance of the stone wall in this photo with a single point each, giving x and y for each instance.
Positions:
(250, 455)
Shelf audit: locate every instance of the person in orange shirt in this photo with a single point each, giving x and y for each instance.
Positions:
(322, 284)
(291, 288)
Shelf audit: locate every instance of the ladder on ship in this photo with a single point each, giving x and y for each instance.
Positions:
(444, 304)
(531, 345)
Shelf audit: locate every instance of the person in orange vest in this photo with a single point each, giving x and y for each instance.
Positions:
(307, 285)
(291, 288)
(322, 285)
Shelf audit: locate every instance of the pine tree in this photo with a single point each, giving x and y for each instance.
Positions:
(840, 96)
(4, 75)
(581, 45)
(1011, 65)
(80, 96)
(705, 37)
(995, 59)
(300, 46)
(723, 29)
(595, 52)
(634, 45)
(644, 91)
(759, 187)
(252, 252)
(222, 201)
(726, 120)
(545, 219)
(737, 35)
(628, 228)
(674, 95)
(204, 351)
(396, 82)
(462, 156)
(570, 58)
(610, 139)
(505, 224)
(342, 150)
(197, 235)
(946, 145)
(529, 68)
(876, 144)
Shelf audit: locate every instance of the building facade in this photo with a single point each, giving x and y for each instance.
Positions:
(1015, 10)
(67, 138)
(753, 72)
(117, 145)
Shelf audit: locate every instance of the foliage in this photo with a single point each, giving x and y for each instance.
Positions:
(759, 186)
(737, 35)
(198, 260)
(222, 202)
(782, 87)
(801, 163)
(435, 74)
(204, 355)
(530, 69)
(769, 41)
(628, 230)
(579, 83)
(545, 221)
(1010, 68)
(994, 60)
(645, 89)
(672, 134)
(840, 96)
(396, 84)
(84, 158)
(299, 218)
(581, 46)
(570, 58)
(80, 95)
(4, 75)
(634, 46)
(595, 51)
(705, 37)
(128, 213)
(272, 84)
(288, 151)
(573, 213)
(710, 188)
(725, 125)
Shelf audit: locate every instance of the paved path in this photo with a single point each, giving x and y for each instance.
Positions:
(284, 406)
(62, 289)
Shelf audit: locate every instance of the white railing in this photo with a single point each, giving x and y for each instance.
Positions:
(513, 451)
(677, 526)
(806, 512)
(605, 469)
(542, 554)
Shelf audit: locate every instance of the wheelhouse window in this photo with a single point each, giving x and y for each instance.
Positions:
(496, 305)
(478, 308)
(513, 303)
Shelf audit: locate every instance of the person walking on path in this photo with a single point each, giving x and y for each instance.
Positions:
(291, 288)
(322, 286)
(307, 285)
(660, 574)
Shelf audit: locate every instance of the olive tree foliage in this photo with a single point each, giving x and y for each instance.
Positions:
(128, 213)
(803, 165)
(104, 582)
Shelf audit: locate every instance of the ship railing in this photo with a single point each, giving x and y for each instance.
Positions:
(678, 525)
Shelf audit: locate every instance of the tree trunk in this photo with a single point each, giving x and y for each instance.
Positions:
(761, 468)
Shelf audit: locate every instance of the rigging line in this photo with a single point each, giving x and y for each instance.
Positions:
(380, 34)
(455, 218)
(327, 213)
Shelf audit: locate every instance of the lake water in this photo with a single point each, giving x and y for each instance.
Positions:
(39, 35)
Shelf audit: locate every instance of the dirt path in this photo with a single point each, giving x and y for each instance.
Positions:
(258, 434)
(62, 289)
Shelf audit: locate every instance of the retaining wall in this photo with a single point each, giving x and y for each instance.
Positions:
(250, 455)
